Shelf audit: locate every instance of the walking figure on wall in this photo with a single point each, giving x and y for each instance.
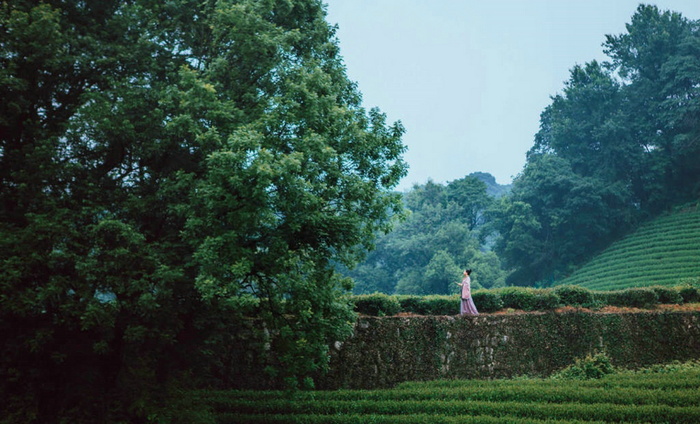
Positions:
(467, 307)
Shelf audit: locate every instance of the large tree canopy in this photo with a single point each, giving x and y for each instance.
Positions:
(619, 144)
(441, 235)
(161, 161)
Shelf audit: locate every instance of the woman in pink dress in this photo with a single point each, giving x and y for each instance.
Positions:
(467, 306)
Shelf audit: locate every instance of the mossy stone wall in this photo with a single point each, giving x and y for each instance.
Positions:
(385, 351)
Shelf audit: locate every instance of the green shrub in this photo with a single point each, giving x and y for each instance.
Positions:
(604, 297)
(641, 297)
(546, 299)
(690, 289)
(377, 304)
(672, 367)
(689, 293)
(410, 303)
(634, 298)
(667, 295)
(487, 301)
(429, 305)
(590, 367)
(528, 299)
(440, 305)
(525, 298)
(574, 295)
(517, 298)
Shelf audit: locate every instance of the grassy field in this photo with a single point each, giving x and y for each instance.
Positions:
(664, 251)
(667, 394)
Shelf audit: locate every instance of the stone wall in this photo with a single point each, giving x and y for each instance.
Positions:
(388, 350)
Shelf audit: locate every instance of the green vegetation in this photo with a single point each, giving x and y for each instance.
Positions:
(592, 366)
(159, 162)
(168, 169)
(527, 299)
(661, 394)
(618, 145)
(664, 251)
(441, 235)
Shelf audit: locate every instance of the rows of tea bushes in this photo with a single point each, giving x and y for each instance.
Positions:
(665, 251)
(527, 299)
(668, 394)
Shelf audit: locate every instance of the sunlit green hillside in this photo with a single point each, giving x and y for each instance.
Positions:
(664, 251)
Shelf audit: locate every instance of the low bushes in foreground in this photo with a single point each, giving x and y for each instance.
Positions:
(599, 393)
(527, 299)
(592, 366)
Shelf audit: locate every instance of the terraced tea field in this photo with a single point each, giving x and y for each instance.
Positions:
(664, 251)
(669, 396)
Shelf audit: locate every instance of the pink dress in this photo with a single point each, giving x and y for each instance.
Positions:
(467, 307)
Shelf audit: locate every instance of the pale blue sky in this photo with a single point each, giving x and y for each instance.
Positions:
(469, 79)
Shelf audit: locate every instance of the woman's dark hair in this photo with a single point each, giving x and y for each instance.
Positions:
(468, 271)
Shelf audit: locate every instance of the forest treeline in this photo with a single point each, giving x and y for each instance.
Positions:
(444, 230)
(618, 145)
(164, 164)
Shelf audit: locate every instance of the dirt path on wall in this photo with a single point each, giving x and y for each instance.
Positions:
(689, 307)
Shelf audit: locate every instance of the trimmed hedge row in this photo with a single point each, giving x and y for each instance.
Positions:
(606, 399)
(541, 411)
(664, 251)
(525, 298)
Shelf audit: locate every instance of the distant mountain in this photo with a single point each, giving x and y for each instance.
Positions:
(492, 187)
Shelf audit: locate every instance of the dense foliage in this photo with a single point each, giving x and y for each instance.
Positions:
(160, 162)
(620, 143)
(440, 237)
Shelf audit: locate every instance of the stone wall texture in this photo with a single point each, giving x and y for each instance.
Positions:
(385, 351)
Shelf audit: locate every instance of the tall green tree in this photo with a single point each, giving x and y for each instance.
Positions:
(588, 126)
(471, 196)
(159, 162)
(617, 145)
(657, 59)
(440, 273)
(440, 235)
(555, 219)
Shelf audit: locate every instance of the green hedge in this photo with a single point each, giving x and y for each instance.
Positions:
(429, 305)
(590, 367)
(527, 299)
(635, 298)
(377, 304)
(575, 295)
(690, 293)
(487, 300)
(668, 295)
(411, 303)
(440, 305)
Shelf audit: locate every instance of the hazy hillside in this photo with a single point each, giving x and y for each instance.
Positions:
(664, 251)
(492, 187)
